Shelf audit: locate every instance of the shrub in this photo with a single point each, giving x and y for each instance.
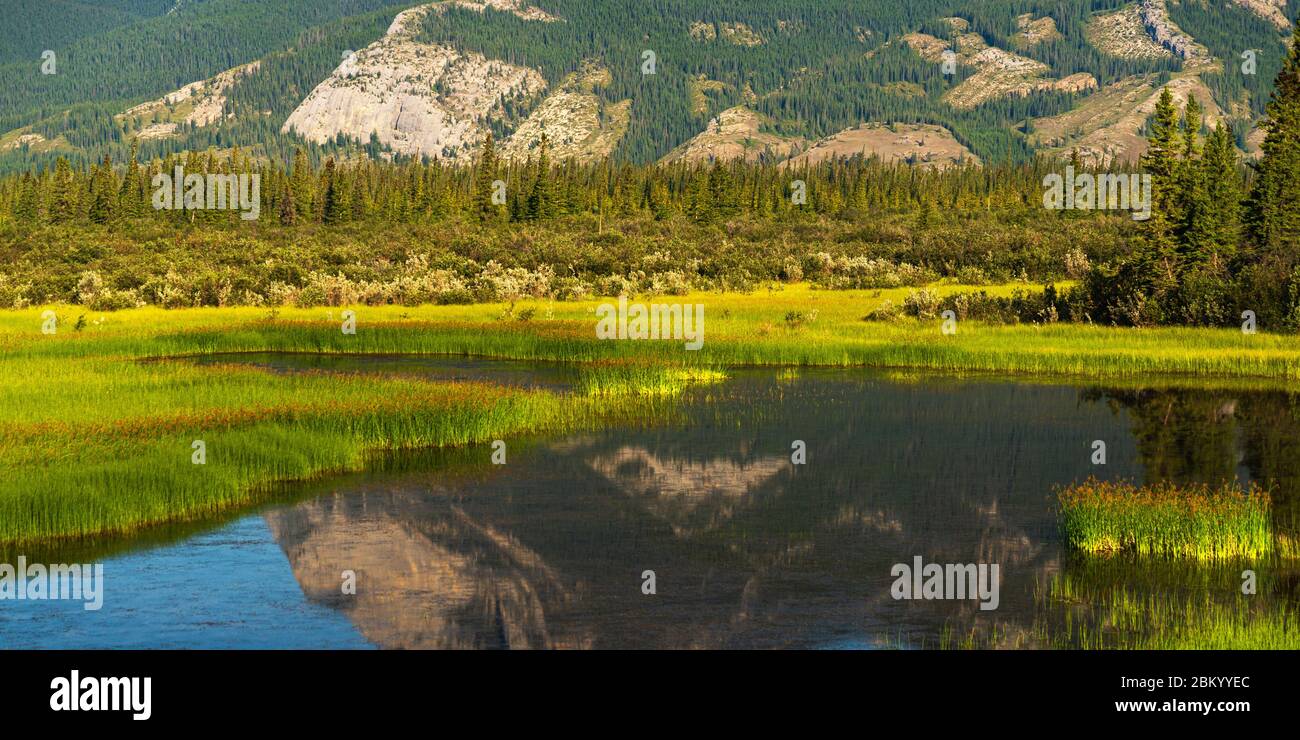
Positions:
(886, 311)
(921, 304)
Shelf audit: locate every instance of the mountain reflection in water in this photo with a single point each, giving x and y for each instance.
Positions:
(747, 549)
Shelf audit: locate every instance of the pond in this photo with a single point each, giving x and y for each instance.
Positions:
(748, 549)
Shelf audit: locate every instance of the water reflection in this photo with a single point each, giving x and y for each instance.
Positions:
(748, 549)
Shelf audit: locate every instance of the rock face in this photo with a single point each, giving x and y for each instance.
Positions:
(734, 134)
(999, 73)
(1123, 34)
(1155, 16)
(197, 104)
(16, 140)
(516, 7)
(736, 33)
(915, 144)
(429, 576)
(1032, 31)
(1273, 11)
(577, 123)
(1107, 127)
(1144, 31)
(421, 99)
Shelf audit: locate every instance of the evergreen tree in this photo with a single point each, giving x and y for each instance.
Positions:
(64, 201)
(103, 192)
(722, 191)
(699, 206)
(302, 186)
(1194, 230)
(1272, 215)
(541, 201)
(1157, 260)
(131, 200)
(27, 209)
(485, 174)
(1222, 194)
(335, 208)
(288, 211)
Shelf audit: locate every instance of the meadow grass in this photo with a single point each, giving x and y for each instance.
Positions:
(97, 440)
(1167, 519)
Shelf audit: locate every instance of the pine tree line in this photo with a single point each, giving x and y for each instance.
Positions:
(497, 191)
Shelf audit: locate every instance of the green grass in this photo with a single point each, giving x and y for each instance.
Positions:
(1110, 605)
(1119, 618)
(96, 440)
(1166, 519)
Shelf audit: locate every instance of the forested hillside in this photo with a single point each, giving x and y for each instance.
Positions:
(806, 71)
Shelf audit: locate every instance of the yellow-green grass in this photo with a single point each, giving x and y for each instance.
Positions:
(1073, 616)
(96, 440)
(740, 329)
(1117, 617)
(1167, 519)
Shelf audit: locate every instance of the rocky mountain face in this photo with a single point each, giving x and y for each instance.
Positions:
(1107, 127)
(998, 73)
(197, 104)
(420, 99)
(733, 134)
(430, 88)
(920, 145)
(1155, 16)
(576, 122)
(1273, 11)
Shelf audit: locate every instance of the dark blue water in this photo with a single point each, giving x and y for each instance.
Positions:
(748, 549)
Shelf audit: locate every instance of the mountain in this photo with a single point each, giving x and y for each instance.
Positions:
(929, 81)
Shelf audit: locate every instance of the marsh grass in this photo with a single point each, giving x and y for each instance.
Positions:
(1127, 604)
(1078, 614)
(1167, 519)
(96, 440)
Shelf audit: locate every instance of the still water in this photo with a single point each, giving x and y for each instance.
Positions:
(748, 550)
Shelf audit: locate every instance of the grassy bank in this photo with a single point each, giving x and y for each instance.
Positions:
(96, 441)
(795, 325)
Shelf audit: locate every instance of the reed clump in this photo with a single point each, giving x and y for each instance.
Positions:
(1167, 519)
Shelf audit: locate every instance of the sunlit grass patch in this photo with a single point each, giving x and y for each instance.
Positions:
(642, 378)
(1117, 617)
(1194, 521)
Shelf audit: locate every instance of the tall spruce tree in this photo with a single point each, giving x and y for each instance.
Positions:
(485, 175)
(64, 200)
(335, 208)
(1222, 194)
(1157, 257)
(103, 192)
(1272, 215)
(1193, 229)
(131, 200)
(27, 209)
(302, 185)
(541, 201)
(288, 211)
